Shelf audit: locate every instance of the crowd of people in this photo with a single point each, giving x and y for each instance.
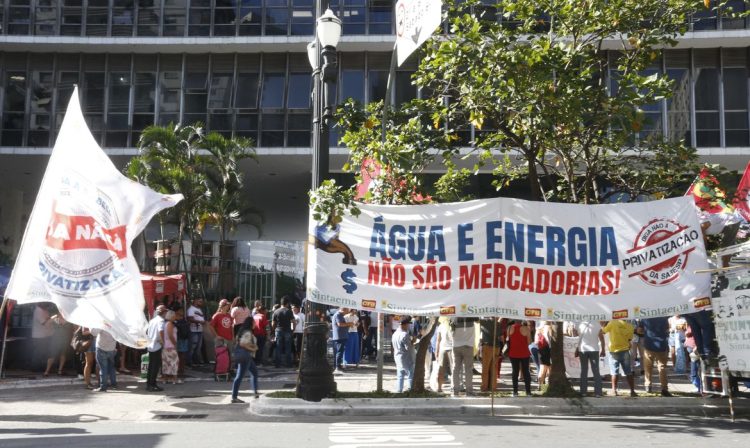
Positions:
(255, 336)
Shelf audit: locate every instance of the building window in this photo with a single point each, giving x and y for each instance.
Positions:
(96, 17)
(303, 18)
(42, 82)
(14, 100)
(19, 17)
(734, 82)
(144, 95)
(677, 65)
(148, 17)
(706, 98)
(170, 82)
(174, 18)
(71, 16)
(123, 17)
(45, 18)
(380, 13)
(277, 17)
(200, 18)
(733, 7)
(93, 94)
(251, 17)
(196, 89)
(220, 94)
(225, 18)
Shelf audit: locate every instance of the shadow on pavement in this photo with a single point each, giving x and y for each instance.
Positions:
(74, 418)
(44, 431)
(109, 441)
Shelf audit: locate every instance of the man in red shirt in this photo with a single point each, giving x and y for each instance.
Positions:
(221, 326)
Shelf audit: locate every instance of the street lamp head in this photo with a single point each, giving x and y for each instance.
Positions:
(312, 54)
(329, 29)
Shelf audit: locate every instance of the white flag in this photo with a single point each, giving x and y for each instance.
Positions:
(76, 248)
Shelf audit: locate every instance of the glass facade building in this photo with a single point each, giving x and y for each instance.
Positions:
(240, 67)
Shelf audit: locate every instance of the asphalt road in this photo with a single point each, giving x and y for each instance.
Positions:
(198, 414)
(313, 433)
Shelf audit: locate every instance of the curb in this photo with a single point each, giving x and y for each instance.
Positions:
(68, 381)
(369, 407)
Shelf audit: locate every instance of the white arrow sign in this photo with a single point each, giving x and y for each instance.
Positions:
(416, 20)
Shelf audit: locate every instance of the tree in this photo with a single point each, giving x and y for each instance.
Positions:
(557, 109)
(392, 168)
(224, 206)
(169, 155)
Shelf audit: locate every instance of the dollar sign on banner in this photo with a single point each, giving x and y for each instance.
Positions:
(348, 277)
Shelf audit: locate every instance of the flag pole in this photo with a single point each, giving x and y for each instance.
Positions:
(5, 337)
(494, 358)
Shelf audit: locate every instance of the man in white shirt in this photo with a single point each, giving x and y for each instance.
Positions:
(462, 354)
(443, 348)
(299, 329)
(590, 348)
(197, 319)
(106, 349)
(155, 334)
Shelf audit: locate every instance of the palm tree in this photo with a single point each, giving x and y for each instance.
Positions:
(172, 154)
(223, 205)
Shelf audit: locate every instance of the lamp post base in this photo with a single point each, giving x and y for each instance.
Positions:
(315, 375)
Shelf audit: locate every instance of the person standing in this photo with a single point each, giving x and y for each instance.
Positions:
(260, 331)
(239, 312)
(183, 339)
(444, 348)
(543, 343)
(656, 351)
(589, 349)
(677, 328)
(170, 362)
(463, 354)
(491, 339)
(196, 318)
(155, 334)
(340, 334)
(299, 330)
(353, 350)
(244, 349)
(282, 322)
(42, 330)
(106, 349)
(403, 354)
(221, 326)
(620, 333)
(519, 339)
(60, 344)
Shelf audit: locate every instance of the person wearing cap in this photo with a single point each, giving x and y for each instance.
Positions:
(155, 334)
(403, 354)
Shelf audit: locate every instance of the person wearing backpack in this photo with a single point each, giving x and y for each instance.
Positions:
(545, 352)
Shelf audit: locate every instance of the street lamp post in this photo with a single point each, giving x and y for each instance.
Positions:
(315, 376)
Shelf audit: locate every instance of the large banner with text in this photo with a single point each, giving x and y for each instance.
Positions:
(514, 258)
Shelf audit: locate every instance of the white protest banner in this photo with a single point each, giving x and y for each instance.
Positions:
(76, 248)
(732, 318)
(416, 20)
(514, 258)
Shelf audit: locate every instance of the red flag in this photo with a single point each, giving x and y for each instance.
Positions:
(742, 197)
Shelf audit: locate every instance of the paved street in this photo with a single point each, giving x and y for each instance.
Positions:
(198, 413)
(327, 432)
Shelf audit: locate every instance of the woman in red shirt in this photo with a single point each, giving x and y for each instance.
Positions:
(519, 338)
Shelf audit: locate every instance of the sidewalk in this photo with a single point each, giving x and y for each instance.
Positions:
(363, 379)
